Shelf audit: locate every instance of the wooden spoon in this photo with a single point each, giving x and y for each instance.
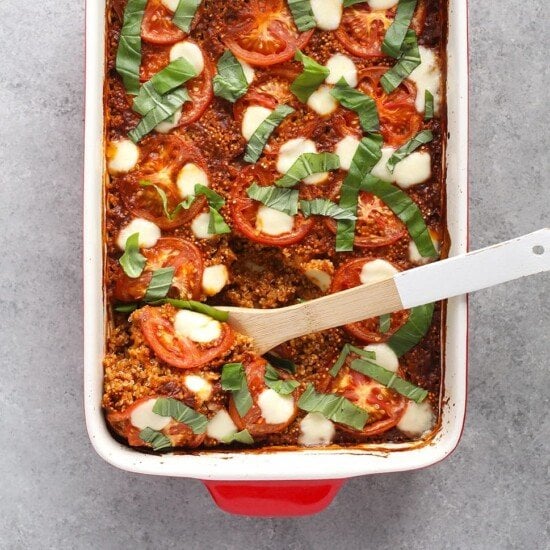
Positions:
(483, 268)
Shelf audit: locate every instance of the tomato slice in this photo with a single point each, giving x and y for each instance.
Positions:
(263, 33)
(157, 26)
(179, 434)
(183, 256)
(160, 161)
(178, 351)
(348, 276)
(399, 119)
(253, 421)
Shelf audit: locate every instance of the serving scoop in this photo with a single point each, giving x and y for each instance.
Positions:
(476, 270)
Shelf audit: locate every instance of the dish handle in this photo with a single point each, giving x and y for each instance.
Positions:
(274, 498)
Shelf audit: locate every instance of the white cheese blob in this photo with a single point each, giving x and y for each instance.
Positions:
(252, 118)
(289, 153)
(380, 169)
(191, 52)
(220, 426)
(197, 326)
(412, 170)
(319, 278)
(172, 5)
(341, 66)
(143, 417)
(385, 356)
(122, 156)
(427, 76)
(149, 233)
(346, 149)
(170, 123)
(382, 4)
(272, 222)
(375, 271)
(327, 13)
(417, 420)
(414, 255)
(198, 385)
(276, 408)
(247, 70)
(188, 177)
(214, 278)
(322, 102)
(315, 429)
(199, 226)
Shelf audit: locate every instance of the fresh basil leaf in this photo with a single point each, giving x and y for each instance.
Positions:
(183, 205)
(184, 14)
(283, 200)
(416, 327)
(324, 207)
(216, 224)
(407, 62)
(346, 350)
(281, 362)
(393, 41)
(157, 439)
(306, 165)
(240, 437)
(385, 323)
(429, 105)
(389, 379)
(333, 407)
(309, 79)
(259, 139)
(147, 99)
(230, 82)
(302, 14)
(175, 74)
(128, 55)
(214, 199)
(126, 308)
(357, 101)
(160, 284)
(406, 210)
(234, 380)
(423, 137)
(367, 155)
(132, 261)
(181, 413)
(273, 381)
(164, 109)
(199, 307)
(348, 3)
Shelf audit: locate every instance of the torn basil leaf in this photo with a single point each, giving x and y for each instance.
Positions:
(126, 308)
(273, 381)
(160, 284)
(259, 139)
(199, 307)
(357, 101)
(184, 14)
(416, 327)
(283, 200)
(181, 413)
(157, 439)
(395, 35)
(183, 205)
(306, 165)
(348, 3)
(428, 105)
(132, 261)
(346, 350)
(281, 362)
(128, 55)
(214, 199)
(423, 137)
(408, 60)
(324, 207)
(309, 79)
(240, 437)
(233, 379)
(384, 323)
(230, 82)
(217, 225)
(302, 14)
(175, 74)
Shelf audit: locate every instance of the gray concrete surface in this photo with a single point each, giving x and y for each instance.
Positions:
(56, 493)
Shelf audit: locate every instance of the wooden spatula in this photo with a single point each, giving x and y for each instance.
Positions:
(483, 268)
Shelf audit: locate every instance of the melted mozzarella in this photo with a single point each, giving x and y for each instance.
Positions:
(385, 356)
(143, 417)
(276, 408)
(319, 278)
(170, 123)
(220, 426)
(272, 222)
(191, 52)
(247, 70)
(382, 4)
(380, 169)
(327, 13)
(346, 149)
(414, 255)
(427, 76)
(149, 233)
(197, 326)
(322, 102)
(418, 419)
(341, 66)
(199, 226)
(198, 385)
(375, 271)
(412, 170)
(252, 118)
(122, 156)
(315, 429)
(188, 177)
(214, 278)
(289, 153)
(172, 5)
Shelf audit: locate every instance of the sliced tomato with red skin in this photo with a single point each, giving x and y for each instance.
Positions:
(399, 119)
(253, 421)
(179, 434)
(368, 331)
(158, 330)
(161, 158)
(384, 406)
(157, 26)
(183, 256)
(263, 33)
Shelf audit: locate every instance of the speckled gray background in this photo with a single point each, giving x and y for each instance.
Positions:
(56, 493)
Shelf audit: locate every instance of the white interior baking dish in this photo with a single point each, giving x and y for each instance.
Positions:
(242, 468)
